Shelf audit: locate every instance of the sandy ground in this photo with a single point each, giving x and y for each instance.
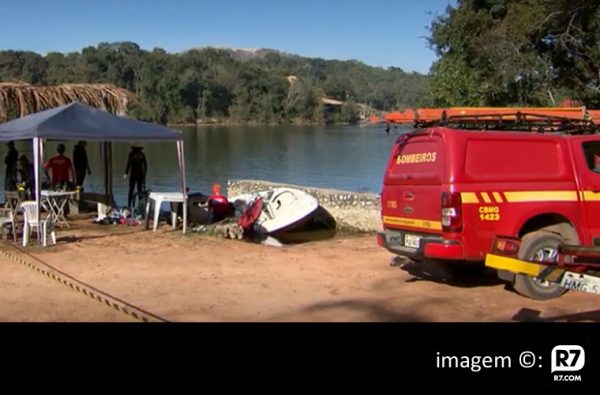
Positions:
(207, 279)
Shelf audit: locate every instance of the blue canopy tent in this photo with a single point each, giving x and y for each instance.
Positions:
(76, 121)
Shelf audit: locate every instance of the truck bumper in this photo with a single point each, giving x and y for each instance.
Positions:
(430, 246)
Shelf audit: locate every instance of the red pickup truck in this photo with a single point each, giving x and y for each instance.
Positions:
(452, 185)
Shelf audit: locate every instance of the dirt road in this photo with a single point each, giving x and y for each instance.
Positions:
(206, 279)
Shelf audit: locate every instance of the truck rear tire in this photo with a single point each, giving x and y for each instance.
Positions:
(538, 246)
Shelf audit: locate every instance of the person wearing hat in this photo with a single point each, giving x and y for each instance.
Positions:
(136, 170)
(11, 159)
(80, 162)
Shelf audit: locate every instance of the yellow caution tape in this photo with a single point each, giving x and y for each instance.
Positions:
(119, 305)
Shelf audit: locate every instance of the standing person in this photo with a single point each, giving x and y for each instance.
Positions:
(10, 176)
(136, 170)
(60, 167)
(26, 176)
(80, 162)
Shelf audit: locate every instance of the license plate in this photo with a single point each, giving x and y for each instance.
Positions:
(581, 283)
(412, 241)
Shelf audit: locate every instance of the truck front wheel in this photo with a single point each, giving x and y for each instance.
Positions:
(538, 246)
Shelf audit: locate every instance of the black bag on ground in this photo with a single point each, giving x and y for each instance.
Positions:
(197, 206)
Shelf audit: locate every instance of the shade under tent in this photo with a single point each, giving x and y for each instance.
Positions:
(77, 121)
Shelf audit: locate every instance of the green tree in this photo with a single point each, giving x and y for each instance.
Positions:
(221, 84)
(530, 52)
(24, 66)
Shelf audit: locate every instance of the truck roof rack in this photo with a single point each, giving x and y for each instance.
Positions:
(577, 120)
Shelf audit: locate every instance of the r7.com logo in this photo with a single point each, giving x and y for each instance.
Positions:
(567, 358)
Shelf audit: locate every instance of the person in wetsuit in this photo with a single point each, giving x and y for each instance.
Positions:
(80, 162)
(27, 178)
(10, 176)
(136, 170)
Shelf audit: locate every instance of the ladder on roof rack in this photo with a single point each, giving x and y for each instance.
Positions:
(578, 119)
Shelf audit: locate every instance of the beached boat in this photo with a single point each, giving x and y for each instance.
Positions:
(276, 210)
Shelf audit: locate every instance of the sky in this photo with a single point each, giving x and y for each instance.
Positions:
(377, 32)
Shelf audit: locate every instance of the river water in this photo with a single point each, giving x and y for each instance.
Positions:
(350, 158)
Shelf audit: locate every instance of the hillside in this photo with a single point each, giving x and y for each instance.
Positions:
(224, 85)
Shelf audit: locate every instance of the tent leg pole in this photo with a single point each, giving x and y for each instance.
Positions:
(37, 159)
(108, 184)
(181, 160)
(110, 173)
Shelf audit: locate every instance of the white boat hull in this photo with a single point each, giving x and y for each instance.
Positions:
(283, 208)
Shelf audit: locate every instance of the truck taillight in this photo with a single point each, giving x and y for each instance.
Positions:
(506, 246)
(451, 212)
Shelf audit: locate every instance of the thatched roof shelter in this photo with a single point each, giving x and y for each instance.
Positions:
(18, 98)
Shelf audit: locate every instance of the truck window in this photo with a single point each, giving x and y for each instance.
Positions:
(418, 161)
(591, 150)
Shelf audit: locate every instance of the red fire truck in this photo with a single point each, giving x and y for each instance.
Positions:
(465, 175)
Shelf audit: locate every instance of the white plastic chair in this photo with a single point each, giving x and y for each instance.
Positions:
(7, 217)
(13, 201)
(30, 220)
